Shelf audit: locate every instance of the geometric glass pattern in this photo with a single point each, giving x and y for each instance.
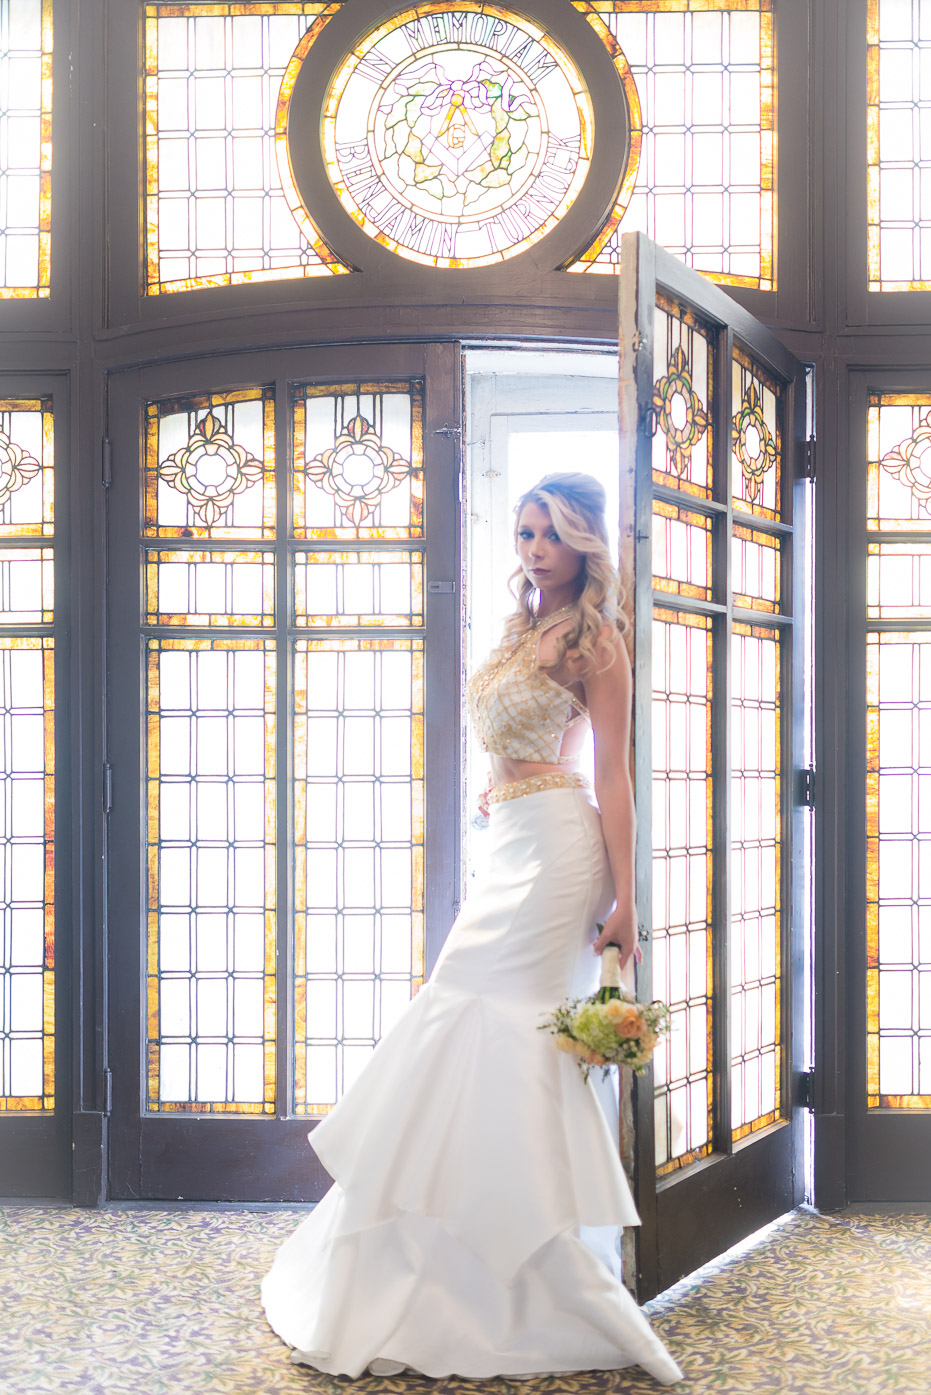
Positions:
(756, 439)
(755, 861)
(26, 468)
(210, 588)
(899, 462)
(358, 461)
(25, 148)
(898, 581)
(210, 466)
(756, 569)
(483, 160)
(210, 760)
(216, 212)
(27, 586)
(681, 551)
(27, 889)
(898, 840)
(341, 589)
(359, 849)
(898, 194)
(682, 388)
(704, 73)
(683, 872)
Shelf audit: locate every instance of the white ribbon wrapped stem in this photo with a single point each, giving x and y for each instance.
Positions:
(611, 967)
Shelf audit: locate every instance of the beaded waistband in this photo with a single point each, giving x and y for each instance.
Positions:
(554, 780)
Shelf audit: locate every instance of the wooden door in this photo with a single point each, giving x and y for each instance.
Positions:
(283, 740)
(712, 413)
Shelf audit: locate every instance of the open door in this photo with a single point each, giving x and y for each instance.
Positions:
(712, 415)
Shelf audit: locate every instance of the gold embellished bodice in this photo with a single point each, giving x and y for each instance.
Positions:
(517, 709)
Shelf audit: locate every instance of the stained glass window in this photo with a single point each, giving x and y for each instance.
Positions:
(682, 370)
(25, 148)
(210, 741)
(681, 551)
(756, 439)
(216, 211)
(704, 73)
(898, 90)
(343, 589)
(27, 506)
(898, 695)
(756, 559)
(210, 588)
(358, 809)
(683, 865)
(755, 857)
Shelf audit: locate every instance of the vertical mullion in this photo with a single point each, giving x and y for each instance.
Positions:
(284, 1000)
(721, 747)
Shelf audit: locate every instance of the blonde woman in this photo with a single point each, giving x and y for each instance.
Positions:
(478, 1189)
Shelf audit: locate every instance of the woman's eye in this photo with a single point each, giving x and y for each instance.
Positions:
(554, 537)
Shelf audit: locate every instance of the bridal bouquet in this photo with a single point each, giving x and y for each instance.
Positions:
(610, 1028)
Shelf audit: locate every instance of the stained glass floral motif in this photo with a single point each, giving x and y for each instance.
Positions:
(16, 467)
(210, 466)
(457, 134)
(358, 469)
(216, 211)
(25, 148)
(27, 456)
(210, 469)
(910, 462)
(680, 415)
(703, 166)
(753, 444)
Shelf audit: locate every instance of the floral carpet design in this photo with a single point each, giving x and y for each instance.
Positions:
(147, 1302)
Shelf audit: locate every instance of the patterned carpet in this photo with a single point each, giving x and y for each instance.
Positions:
(147, 1302)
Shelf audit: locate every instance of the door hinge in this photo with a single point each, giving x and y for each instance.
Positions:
(107, 1092)
(447, 431)
(806, 1089)
(807, 460)
(805, 787)
(107, 787)
(105, 473)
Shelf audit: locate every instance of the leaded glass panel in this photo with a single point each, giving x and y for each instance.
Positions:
(682, 388)
(342, 589)
(27, 585)
(216, 212)
(756, 561)
(210, 466)
(25, 148)
(358, 461)
(704, 75)
(899, 462)
(683, 868)
(359, 847)
(27, 507)
(27, 888)
(210, 588)
(756, 439)
(681, 551)
(755, 875)
(210, 761)
(898, 581)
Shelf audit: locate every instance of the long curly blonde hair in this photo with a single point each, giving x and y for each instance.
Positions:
(576, 504)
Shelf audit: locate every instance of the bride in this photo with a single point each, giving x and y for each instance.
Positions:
(478, 1189)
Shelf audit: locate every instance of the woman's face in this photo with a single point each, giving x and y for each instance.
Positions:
(549, 564)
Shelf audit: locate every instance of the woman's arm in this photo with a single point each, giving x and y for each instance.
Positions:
(608, 696)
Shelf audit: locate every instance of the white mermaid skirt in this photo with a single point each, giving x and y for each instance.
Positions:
(470, 1157)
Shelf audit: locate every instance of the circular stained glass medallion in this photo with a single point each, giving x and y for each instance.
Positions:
(457, 135)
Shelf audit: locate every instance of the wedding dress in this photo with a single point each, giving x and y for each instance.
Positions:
(478, 1188)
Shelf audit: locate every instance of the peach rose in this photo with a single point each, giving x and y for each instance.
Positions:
(624, 1017)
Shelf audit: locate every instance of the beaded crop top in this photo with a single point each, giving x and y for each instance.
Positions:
(517, 710)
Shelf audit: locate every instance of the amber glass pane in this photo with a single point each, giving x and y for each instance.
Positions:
(26, 468)
(216, 213)
(25, 147)
(704, 77)
(342, 589)
(898, 211)
(210, 466)
(358, 834)
(681, 551)
(358, 461)
(210, 588)
(210, 753)
(27, 888)
(756, 903)
(682, 387)
(899, 461)
(682, 881)
(898, 910)
(756, 439)
(756, 567)
(27, 589)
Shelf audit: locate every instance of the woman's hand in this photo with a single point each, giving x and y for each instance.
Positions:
(620, 929)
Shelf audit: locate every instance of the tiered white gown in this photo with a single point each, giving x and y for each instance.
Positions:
(470, 1157)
